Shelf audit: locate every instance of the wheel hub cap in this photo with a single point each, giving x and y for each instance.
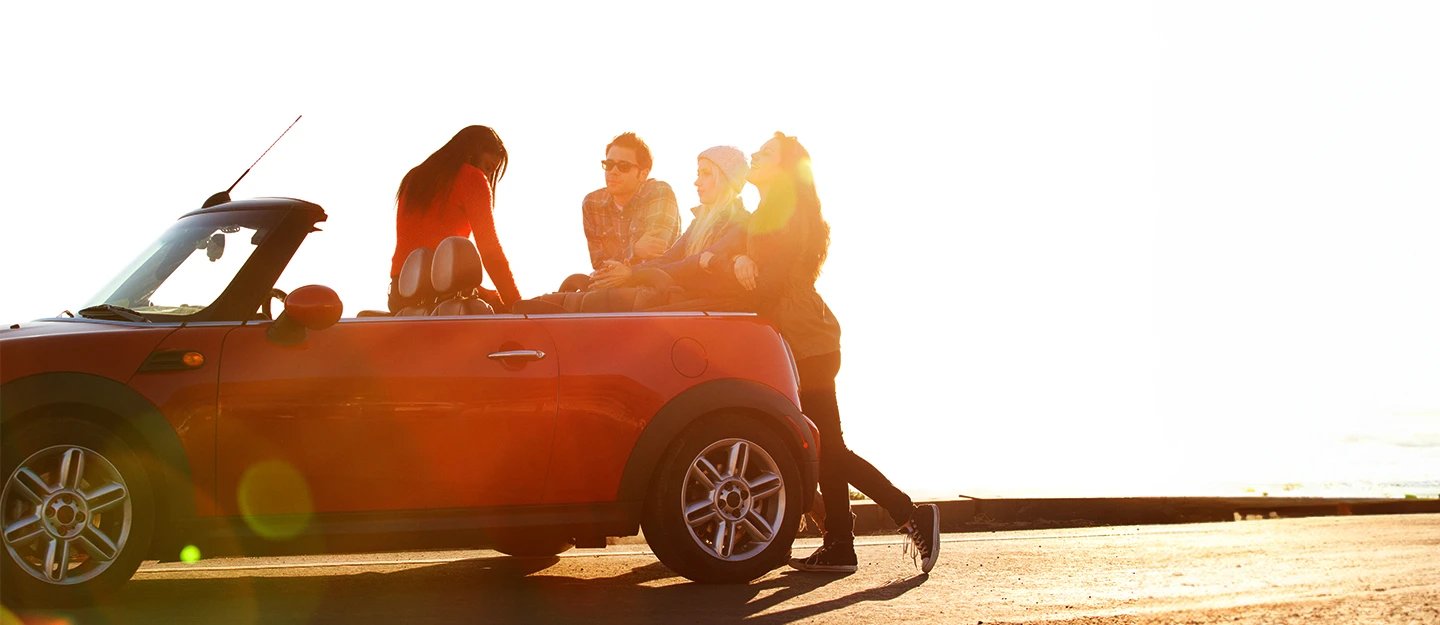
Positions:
(732, 499)
(65, 514)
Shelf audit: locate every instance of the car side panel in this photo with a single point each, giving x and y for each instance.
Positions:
(618, 371)
(389, 414)
(109, 350)
(187, 398)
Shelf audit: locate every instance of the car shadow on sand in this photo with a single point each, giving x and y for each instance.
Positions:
(480, 590)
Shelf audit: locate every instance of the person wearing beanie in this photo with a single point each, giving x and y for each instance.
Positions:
(731, 162)
(714, 237)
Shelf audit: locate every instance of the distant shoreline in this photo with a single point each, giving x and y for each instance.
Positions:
(979, 515)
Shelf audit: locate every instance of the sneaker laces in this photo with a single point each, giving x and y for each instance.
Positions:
(911, 547)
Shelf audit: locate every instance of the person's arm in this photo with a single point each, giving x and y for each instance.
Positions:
(480, 208)
(659, 216)
(593, 235)
(686, 268)
(618, 274)
(728, 245)
(675, 253)
(775, 254)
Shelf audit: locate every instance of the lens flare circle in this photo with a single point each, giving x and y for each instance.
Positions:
(275, 500)
(190, 554)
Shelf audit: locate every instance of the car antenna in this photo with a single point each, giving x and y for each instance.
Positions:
(224, 196)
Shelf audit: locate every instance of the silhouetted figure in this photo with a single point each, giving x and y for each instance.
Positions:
(788, 242)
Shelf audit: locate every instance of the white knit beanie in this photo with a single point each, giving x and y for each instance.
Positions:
(731, 161)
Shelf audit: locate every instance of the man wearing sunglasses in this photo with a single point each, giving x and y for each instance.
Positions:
(634, 218)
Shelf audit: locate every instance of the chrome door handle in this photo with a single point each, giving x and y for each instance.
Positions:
(519, 354)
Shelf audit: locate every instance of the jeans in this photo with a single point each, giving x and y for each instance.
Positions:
(840, 467)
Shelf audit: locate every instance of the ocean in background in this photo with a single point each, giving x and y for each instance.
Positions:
(1389, 462)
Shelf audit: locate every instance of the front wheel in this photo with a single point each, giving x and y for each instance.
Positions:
(725, 503)
(76, 510)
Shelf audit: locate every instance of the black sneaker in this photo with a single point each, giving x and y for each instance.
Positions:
(924, 531)
(827, 559)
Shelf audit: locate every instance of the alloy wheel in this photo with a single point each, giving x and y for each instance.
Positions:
(733, 499)
(66, 514)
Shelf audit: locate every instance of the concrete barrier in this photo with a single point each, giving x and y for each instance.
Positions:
(983, 515)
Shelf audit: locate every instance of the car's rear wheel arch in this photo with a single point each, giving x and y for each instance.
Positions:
(717, 397)
(793, 444)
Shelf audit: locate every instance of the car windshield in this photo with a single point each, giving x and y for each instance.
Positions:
(184, 270)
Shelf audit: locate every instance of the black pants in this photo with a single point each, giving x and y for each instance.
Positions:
(839, 466)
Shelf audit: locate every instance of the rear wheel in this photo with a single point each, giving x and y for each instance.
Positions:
(76, 510)
(725, 503)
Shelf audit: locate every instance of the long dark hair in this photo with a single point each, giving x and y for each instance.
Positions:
(431, 179)
(791, 208)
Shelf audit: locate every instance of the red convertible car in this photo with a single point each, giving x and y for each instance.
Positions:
(172, 413)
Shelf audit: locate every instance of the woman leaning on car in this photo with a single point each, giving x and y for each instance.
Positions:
(452, 193)
(788, 240)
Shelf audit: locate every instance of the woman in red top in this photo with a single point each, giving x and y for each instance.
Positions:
(452, 193)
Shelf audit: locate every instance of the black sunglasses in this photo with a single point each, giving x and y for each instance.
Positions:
(623, 166)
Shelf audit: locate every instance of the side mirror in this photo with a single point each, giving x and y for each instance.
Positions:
(312, 307)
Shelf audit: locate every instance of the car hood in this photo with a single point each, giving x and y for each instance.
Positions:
(112, 350)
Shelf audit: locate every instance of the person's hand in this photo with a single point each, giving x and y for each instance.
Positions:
(606, 268)
(705, 258)
(613, 274)
(746, 272)
(649, 246)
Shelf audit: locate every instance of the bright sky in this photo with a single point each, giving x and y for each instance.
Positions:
(1079, 248)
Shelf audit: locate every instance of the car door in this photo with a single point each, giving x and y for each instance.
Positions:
(386, 414)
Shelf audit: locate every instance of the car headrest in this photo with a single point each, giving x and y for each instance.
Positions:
(414, 282)
(456, 267)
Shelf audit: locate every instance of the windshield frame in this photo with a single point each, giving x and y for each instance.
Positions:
(286, 223)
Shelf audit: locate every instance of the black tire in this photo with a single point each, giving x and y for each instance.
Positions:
(521, 544)
(92, 579)
(664, 520)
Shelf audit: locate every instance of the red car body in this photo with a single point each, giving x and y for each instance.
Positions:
(389, 432)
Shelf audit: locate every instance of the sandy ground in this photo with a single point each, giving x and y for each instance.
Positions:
(1379, 569)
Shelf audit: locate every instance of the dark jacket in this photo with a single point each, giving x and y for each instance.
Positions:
(686, 269)
(785, 288)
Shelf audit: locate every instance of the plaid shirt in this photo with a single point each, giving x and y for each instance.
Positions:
(611, 230)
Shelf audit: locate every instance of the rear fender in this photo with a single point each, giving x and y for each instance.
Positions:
(731, 394)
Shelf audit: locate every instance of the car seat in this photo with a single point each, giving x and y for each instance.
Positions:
(456, 274)
(415, 285)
